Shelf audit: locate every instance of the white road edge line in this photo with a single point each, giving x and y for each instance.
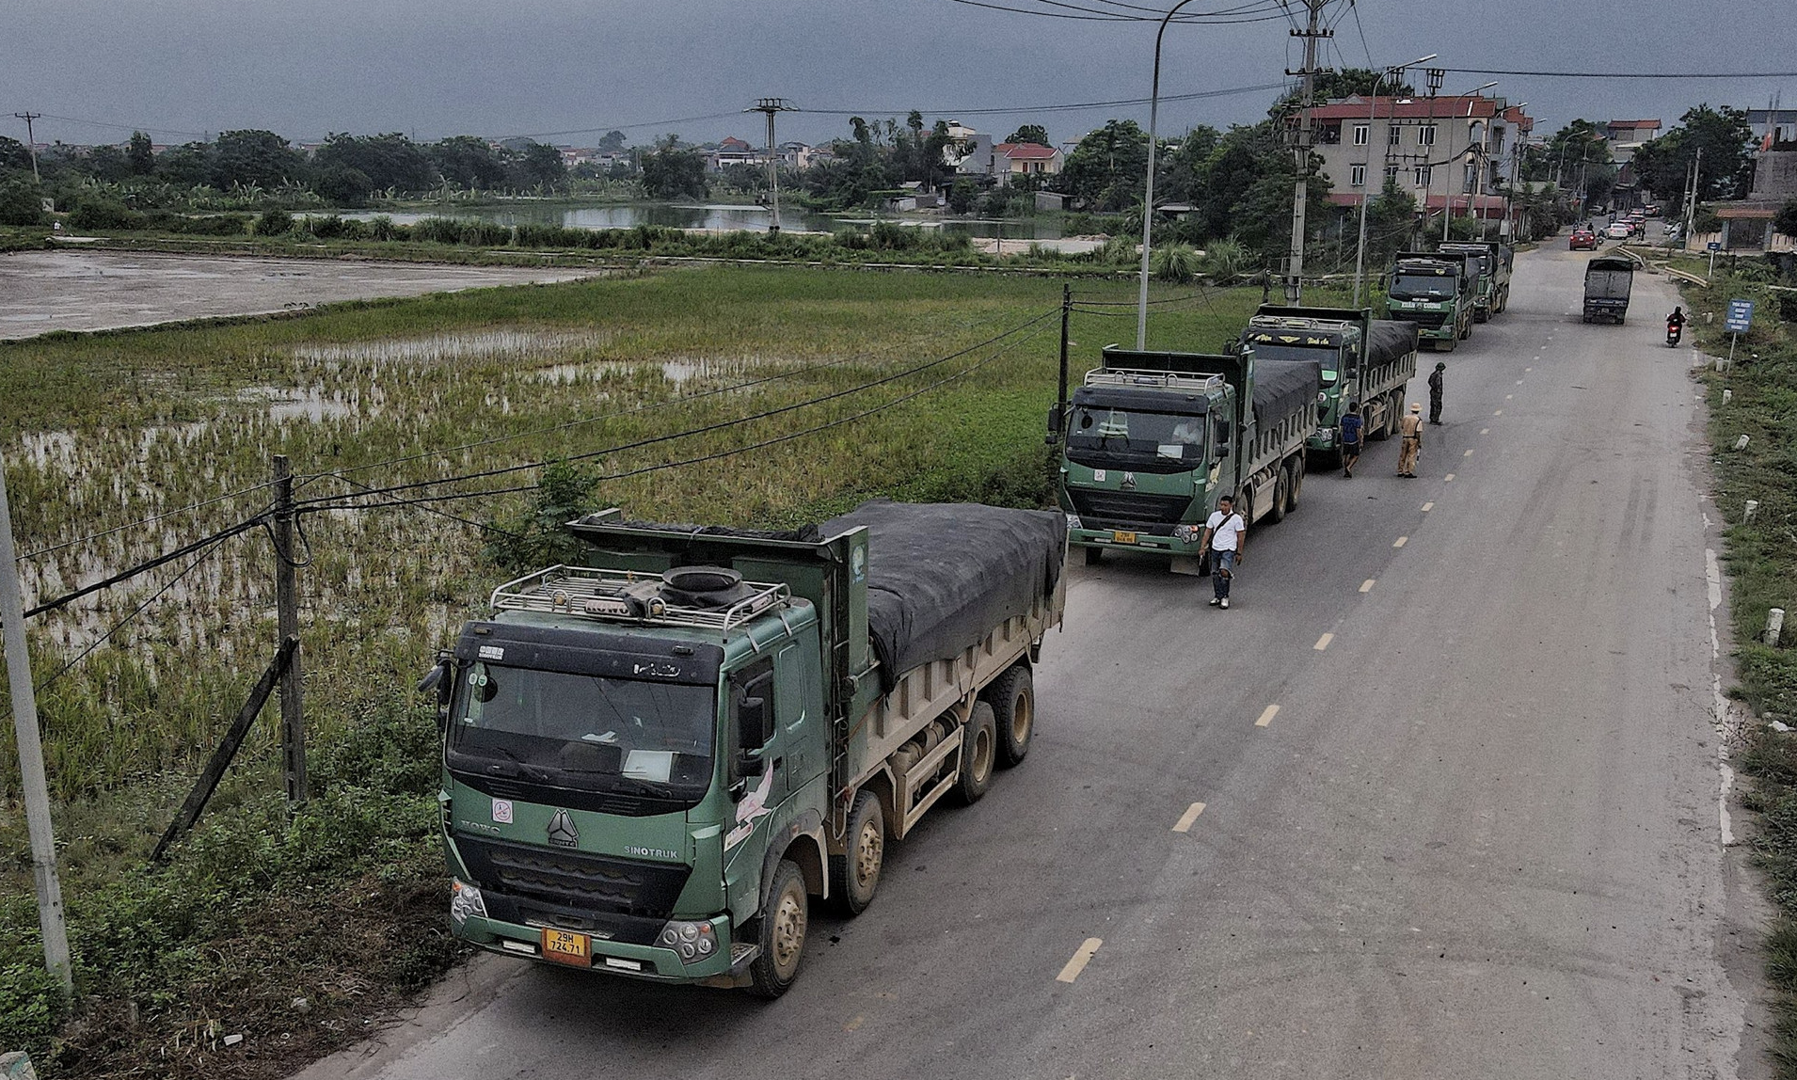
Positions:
(1081, 957)
(1184, 824)
(1712, 573)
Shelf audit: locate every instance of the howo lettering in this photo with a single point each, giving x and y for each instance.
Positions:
(1153, 439)
(654, 764)
(1360, 360)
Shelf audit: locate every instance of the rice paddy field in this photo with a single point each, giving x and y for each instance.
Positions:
(805, 391)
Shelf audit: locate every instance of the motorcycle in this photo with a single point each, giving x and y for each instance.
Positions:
(1673, 331)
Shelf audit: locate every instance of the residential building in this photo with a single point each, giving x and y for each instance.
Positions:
(732, 151)
(1011, 160)
(1444, 151)
(969, 152)
(1627, 136)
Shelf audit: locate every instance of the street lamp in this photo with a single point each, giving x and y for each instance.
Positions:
(1393, 73)
(1154, 101)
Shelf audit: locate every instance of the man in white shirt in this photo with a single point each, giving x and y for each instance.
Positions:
(1225, 537)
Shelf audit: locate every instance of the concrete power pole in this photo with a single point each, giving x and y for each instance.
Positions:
(31, 757)
(1301, 139)
(293, 712)
(770, 106)
(31, 140)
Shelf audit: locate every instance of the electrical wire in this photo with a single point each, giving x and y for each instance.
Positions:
(706, 429)
(125, 575)
(122, 127)
(1120, 102)
(151, 520)
(1628, 74)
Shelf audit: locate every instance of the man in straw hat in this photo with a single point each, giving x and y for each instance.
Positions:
(1411, 430)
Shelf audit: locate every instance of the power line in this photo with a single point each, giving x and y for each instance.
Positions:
(1116, 103)
(151, 520)
(1629, 74)
(144, 567)
(123, 127)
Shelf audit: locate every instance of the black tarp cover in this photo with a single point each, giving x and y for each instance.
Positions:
(942, 575)
(1282, 387)
(1388, 339)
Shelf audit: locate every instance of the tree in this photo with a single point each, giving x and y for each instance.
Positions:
(540, 164)
(21, 200)
(671, 173)
(107, 163)
(1108, 168)
(1785, 221)
(371, 163)
(14, 155)
(1389, 221)
(612, 142)
(188, 165)
(1030, 133)
(466, 161)
(141, 154)
(1726, 170)
(253, 157)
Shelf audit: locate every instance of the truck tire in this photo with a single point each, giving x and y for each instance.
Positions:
(1094, 556)
(1281, 488)
(979, 755)
(1293, 489)
(780, 931)
(1013, 698)
(1468, 332)
(855, 875)
(1446, 346)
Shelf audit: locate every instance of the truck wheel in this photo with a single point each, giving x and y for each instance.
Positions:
(1281, 485)
(1297, 485)
(780, 933)
(1013, 698)
(1447, 346)
(1468, 331)
(855, 876)
(1094, 556)
(979, 753)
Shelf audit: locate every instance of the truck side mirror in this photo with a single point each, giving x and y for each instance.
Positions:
(440, 680)
(755, 723)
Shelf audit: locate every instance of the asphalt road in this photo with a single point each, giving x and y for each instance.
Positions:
(1481, 836)
(105, 290)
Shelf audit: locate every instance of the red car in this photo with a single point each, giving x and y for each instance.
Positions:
(1582, 238)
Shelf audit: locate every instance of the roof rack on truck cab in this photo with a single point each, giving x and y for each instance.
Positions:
(1167, 380)
(637, 597)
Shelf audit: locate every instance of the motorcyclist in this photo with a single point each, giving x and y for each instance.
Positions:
(1675, 325)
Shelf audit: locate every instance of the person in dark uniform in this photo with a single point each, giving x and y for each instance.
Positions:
(1435, 393)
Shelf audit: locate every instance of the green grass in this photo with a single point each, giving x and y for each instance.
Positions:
(1761, 559)
(110, 428)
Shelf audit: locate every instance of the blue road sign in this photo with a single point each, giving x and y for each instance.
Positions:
(1740, 316)
(1713, 245)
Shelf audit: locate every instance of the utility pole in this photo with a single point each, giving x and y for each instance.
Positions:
(31, 140)
(1435, 77)
(1393, 74)
(1691, 200)
(1301, 137)
(31, 757)
(770, 106)
(293, 717)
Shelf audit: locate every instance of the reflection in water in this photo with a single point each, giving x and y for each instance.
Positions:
(712, 218)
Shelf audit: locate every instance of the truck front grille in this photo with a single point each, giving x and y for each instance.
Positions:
(1429, 320)
(599, 883)
(1128, 510)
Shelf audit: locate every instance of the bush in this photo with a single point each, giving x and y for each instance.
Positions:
(98, 212)
(273, 223)
(1224, 261)
(31, 1005)
(1176, 263)
(382, 228)
(21, 203)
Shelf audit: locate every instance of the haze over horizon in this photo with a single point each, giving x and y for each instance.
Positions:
(187, 69)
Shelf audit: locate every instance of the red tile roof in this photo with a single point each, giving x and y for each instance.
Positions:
(1025, 151)
(1651, 125)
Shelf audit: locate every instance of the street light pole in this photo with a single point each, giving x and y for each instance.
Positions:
(1154, 103)
(1393, 73)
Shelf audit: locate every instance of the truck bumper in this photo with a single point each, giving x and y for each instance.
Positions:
(1138, 541)
(649, 962)
(1444, 332)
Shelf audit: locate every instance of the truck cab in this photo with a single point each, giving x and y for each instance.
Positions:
(1491, 293)
(612, 742)
(1435, 292)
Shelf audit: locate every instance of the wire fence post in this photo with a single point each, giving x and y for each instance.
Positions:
(293, 718)
(31, 757)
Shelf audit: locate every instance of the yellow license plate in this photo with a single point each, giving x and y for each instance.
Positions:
(567, 947)
(1123, 537)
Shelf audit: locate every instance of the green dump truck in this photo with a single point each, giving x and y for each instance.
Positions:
(1491, 293)
(654, 764)
(1608, 281)
(1360, 360)
(1151, 440)
(1435, 293)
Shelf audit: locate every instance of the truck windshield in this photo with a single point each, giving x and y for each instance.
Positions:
(1422, 287)
(1103, 436)
(583, 730)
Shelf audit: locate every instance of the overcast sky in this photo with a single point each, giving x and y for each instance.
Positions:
(184, 68)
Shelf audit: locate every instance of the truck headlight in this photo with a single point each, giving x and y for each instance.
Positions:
(464, 901)
(692, 940)
(1073, 521)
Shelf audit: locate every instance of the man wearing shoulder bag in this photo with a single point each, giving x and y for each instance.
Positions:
(1225, 537)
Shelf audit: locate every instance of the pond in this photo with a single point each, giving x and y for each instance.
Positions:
(713, 217)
